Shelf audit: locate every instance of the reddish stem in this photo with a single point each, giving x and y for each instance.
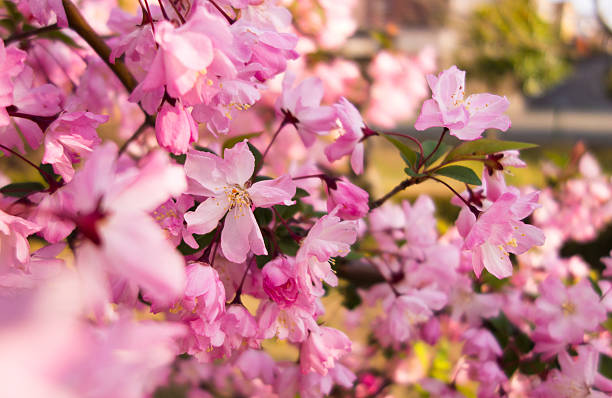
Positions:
(53, 185)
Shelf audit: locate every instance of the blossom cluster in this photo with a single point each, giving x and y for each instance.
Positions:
(217, 234)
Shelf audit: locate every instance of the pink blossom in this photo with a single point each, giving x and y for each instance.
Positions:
(11, 64)
(329, 237)
(183, 56)
(404, 314)
(466, 119)
(399, 85)
(566, 313)
(225, 181)
(175, 129)
(14, 246)
(44, 10)
(350, 200)
(322, 348)
(279, 281)
(69, 138)
(204, 292)
(113, 214)
(35, 107)
(350, 141)
(498, 231)
(301, 107)
(577, 376)
(480, 343)
(169, 215)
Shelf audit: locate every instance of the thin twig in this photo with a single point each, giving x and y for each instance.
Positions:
(237, 299)
(403, 185)
(28, 33)
(136, 134)
(50, 180)
(411, 138)
(83, 29)
(457, 194)
(424, 161)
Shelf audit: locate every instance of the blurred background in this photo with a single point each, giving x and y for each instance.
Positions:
(551, 58)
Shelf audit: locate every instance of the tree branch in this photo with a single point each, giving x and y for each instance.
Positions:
(403, 185)
(83, 29)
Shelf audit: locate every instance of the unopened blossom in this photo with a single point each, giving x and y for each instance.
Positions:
(498, 231)
(466, 118)
(226, 183)
(350, 142)
(69, 138)
(301, 107)
(175, 129)
(322, 348)
(350, 200)
(566, 313)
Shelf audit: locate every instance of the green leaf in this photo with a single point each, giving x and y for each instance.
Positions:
(300, 193)
(460, 173)
(605, 365)
(230, 142)
(429, 146)
(21, 189)
(57, 35)
(485, 146)
(204, 149)
(288, 246)
(180, 159)
(533, 366)
(263, 216)
(258, 156)
(201, 240)
(411, 172)
(408, 155)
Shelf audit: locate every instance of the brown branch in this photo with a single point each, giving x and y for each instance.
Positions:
(403, 185)
(83, 29)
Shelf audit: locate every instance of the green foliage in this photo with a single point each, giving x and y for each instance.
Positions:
(460, 173)
(408, 155)
(21, 189)
(484, 146)
(509, 37)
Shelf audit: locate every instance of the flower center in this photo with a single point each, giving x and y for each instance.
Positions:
(568, 308)
(237, 197)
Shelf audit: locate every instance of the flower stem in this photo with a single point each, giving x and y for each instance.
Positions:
(53, 185)
(457, 194)
(424, 161)
(411, 138)
(237, 299)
